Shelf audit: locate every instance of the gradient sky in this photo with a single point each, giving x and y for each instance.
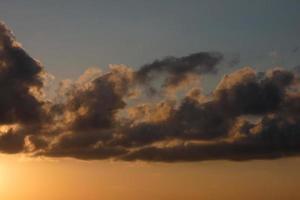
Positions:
(70, 36)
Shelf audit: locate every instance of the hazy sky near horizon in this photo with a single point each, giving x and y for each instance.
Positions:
(70, 36)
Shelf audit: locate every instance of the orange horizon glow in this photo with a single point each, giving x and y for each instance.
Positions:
(56, 179)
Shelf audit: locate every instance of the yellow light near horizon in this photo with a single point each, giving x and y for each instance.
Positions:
(4, 177)
(35, 179)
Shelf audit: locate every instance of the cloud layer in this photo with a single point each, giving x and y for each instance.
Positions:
(110, 115)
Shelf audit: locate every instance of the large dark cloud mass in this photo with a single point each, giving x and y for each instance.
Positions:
(19, 72)
(20, 78)
(102, 115)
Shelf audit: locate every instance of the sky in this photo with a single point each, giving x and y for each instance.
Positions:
(69, 36)
(149, 99)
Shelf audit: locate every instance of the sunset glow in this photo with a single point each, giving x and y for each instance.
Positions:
(143, 100)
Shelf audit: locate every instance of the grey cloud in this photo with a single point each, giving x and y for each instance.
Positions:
(11, 142)
(176, 69)
(213, 119)
(277, 138)
(18, 73)
(248, 116)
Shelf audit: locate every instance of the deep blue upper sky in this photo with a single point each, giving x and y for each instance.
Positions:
(70, 36)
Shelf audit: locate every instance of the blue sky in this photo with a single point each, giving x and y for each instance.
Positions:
(70, 36)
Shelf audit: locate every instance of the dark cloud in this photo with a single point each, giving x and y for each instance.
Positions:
(11, 142)
(270, 139)
(212, 122)
(249, 115)
(256, 95)
(20, 85)
(276, 135)
(18, 74)
(176, 69)
(87, 119)
(99, 104)
(238, 151)
(194, 120)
